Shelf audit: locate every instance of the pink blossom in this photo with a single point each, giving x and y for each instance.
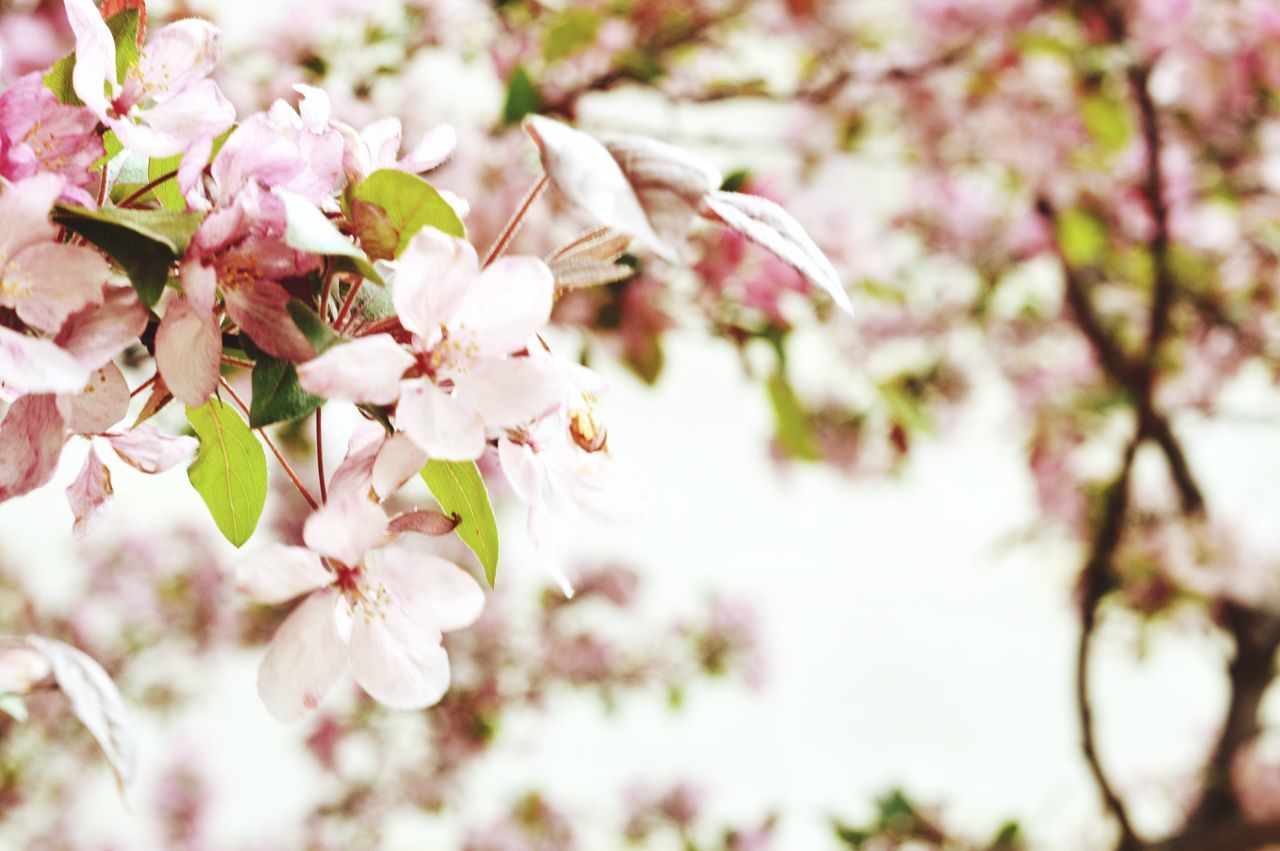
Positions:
(378, 146)
(165, 105)
(460, 378)
(378, 604)
(41, 134)
(43, 280)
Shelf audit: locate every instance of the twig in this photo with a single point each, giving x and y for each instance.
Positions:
(512, 227)
(324, 494)
(147, 187)
(347, 304)
(293, 477)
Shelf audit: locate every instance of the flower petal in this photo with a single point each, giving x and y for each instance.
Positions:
(97, 334)
(278, 573)
(188, 352)
(345, 528)
(523, 472)
(304, 660)
(438, 423)
(260, 309)
(399, 459)
(433, 150)
(431, 589)
(508, 392)
(31, 437)
(506, 306)
(32, 365)
(150, 450)
(95, 55)
(433, 277)
(90, 494)
(177, 55)
(55, 281)
(101, 404)
(367, 369)
(398, 662)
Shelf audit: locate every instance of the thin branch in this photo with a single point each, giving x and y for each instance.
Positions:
(1094, 580)
(293, 477)
(347, 304)
(324, 493)
(147, 187)
(512, 227)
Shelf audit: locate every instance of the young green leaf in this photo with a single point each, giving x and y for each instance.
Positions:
(277, 395)
(230, 470)
(167, 193)
(460, 490)
(793, 429)
(390, 206)
(522, 98)
(308, 229)
(318, 334)
(143, 242)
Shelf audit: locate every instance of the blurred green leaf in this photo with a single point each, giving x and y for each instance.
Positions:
(791, 424)
(570, 31)
(1107, 121)
(523, 97)
(1081, 237)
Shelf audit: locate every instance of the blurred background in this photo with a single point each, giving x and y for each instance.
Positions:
(884, 561)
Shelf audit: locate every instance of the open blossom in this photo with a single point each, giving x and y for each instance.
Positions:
(39, 134)
(165, 105)
(459, 378)
(380, 604)
(239, 251)
(378, 146)
(43, 280)
(296, 150)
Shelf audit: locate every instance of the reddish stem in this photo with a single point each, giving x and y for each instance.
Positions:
(512, 226)
(293, 477)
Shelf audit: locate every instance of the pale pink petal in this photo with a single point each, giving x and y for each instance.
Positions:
(260, 309)
(304, 660)
(345, 528)
(31, 437)
(95, 55)
(150, 450)
(200, 284)
(506, 306)
(169, 128)
(542, 536)
(381, 142)
(188, 352)
(313, 108)
(367, 369)
(21, 667)
(399, 459)
(192, 165)
(97, 334)
(24, 212)
(433, 150)
(278, 573)
(432, 280)
(53, 282)
(398, 662)
(177, 55)
(523, 472)
(431, 590)
(101, 404)
(509, 392)
(355, 473)
(439, 424)
(89, 495)
(33, 365)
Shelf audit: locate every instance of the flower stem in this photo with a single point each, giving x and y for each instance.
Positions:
(512, 226)
(347, 304)
(324, 494)
(293, 477)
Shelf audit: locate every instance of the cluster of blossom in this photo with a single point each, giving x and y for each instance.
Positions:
(137, 212)
(161, 604)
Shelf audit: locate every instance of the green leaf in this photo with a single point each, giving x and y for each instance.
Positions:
(1081, 237)
(389, 207)
(58, 81)
(143, 242)
(167, 193)
(1107, 121)
(277, 395)
(522, 97)
(308, 229)
(460, 490)
(570, 31)
(318, 334)
(230, 470)
(794, 432)
(124, 29)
